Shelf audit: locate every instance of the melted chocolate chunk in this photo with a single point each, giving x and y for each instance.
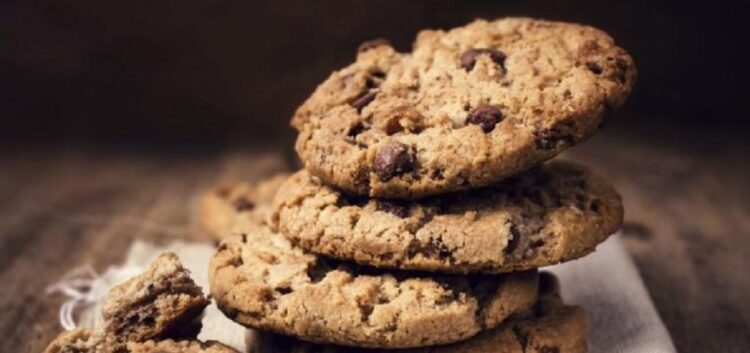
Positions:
(392, 160)
(363, 100)
(485, 116)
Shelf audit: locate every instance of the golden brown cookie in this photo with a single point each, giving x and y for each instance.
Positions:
(551, 327)
(243, 203)
(464, 109)
(145, 314)
(553, 213)
(259, 279)
(161, 302)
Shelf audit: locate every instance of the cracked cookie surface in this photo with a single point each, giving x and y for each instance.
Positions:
(549, 214)
(261, 280)
(161, 302)
(551, 326)
(157, 311)
(239, 204)
(466, 108)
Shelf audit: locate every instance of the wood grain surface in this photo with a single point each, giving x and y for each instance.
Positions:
(687, 225)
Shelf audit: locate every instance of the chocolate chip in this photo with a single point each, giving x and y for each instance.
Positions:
(469, 58)
(392, 160)
(284, 290)
(397, 208)
(356, 130)
(595, 68)
(363, 100)
(486, 116)
(514, 241)
(393, 126)
(372, 44)
(243, 204)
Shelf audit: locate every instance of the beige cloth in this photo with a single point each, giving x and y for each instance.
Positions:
(606, 283)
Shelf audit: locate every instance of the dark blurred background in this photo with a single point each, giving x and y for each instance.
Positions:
(189, 73)
(115, 115)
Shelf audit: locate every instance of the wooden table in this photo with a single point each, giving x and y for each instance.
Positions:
(687, 224)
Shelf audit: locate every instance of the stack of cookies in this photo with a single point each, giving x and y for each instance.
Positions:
(425, 209)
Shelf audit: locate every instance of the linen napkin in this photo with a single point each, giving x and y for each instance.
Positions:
(622, 317)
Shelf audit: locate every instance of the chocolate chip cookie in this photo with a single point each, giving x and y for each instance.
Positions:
(261, 280)
(146, 314)
(244, 203)
(465, 108)
(161, 302)
(549, 214)
(551, 327)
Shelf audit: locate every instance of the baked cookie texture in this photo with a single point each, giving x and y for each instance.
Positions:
(242, 203)
(172, 346)
(551, 326)
(549, 214)
(466, 108)
(87, 341)
(261, 280)
(161, 302)
(156, 311)
(79, 341)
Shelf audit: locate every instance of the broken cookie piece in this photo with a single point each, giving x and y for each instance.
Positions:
(161, 302)
(146, 313)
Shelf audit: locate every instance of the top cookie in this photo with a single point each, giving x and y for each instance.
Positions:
(466, 108)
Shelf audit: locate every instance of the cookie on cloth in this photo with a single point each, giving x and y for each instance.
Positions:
(465, 108)
(241, 202)
(552, 213)
(551, 326)
(157, 311)
(259, 279)
(161, 302)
